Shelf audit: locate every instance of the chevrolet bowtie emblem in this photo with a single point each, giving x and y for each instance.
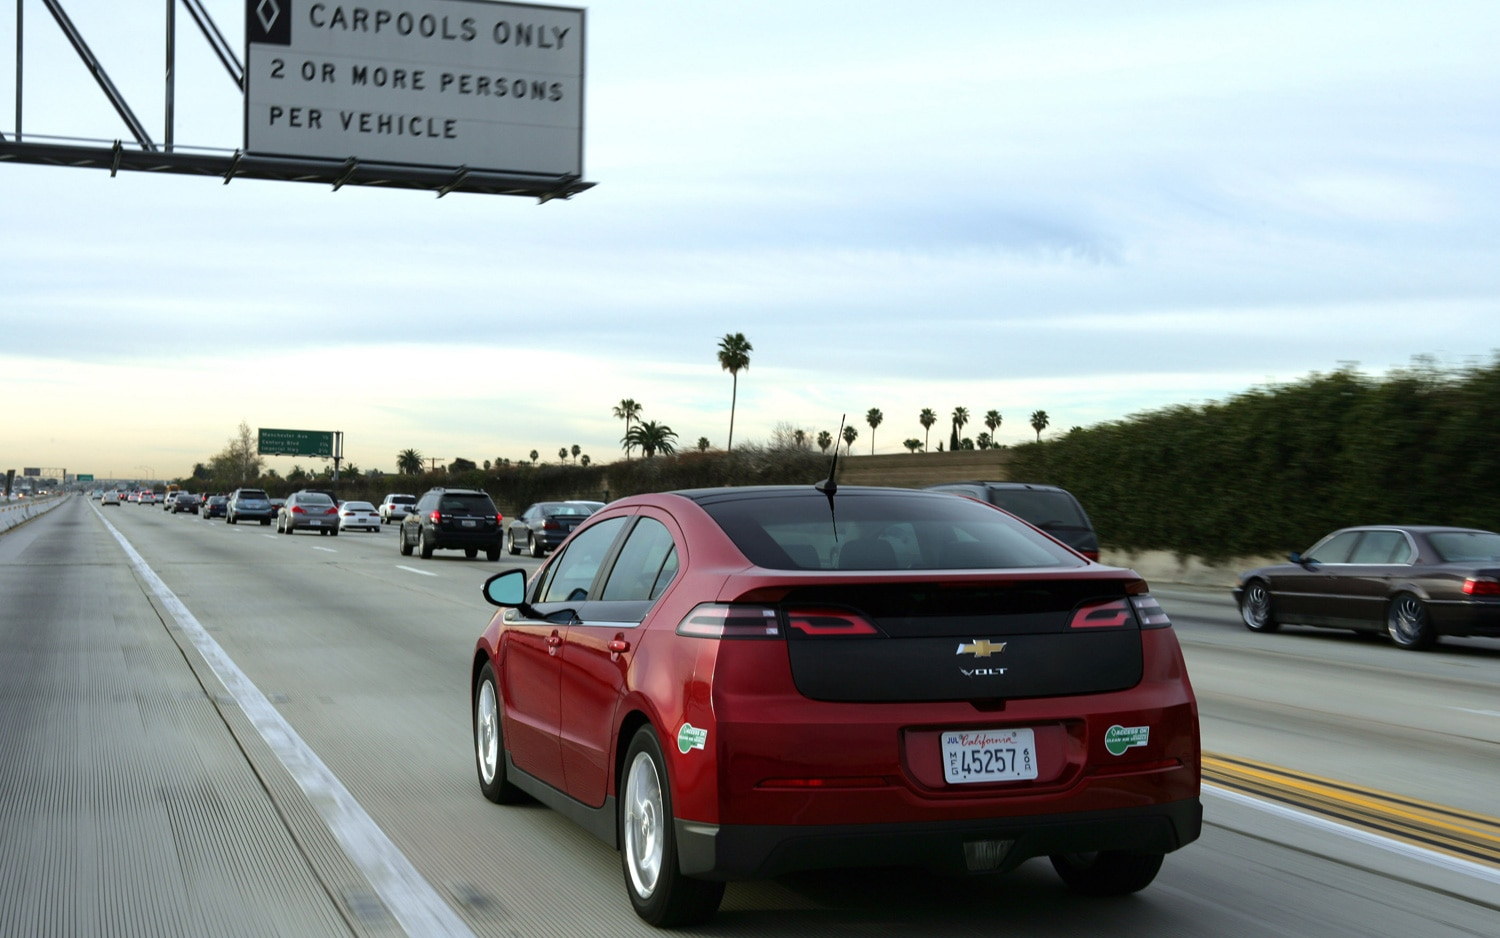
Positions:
(981, 649)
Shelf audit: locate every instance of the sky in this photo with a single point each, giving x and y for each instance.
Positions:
(1094, 209)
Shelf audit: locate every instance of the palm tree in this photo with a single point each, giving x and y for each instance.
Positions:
(927, 418)
(703, 444)
(873, 417)
(628, 410)
(992, 419)
(734, 356)
(652, 438)
(409, 462)
(576, 450)
(825, 440)
(960, 417)
(1039, 421)
(586, 460)
(912, 445)
(562, 454)
(850, 435)
(534, 455)
(800, 438)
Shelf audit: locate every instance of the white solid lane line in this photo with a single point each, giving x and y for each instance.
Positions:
(415, 570)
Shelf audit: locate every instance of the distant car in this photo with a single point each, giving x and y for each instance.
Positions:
(396, 506)
(358, 515)
(215, 506)
(98, 494)
(185, 501)
(132, 497)
(544, 525)
(166, 503)
(452, 519)
(308, 511)
(148, 498)
(741, 683)
(246, 504)
(1048, 507)
(110, 498)
(1412, 582)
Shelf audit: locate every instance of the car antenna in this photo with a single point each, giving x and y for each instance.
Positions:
(830, 486)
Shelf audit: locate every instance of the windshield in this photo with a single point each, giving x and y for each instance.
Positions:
(880, 530)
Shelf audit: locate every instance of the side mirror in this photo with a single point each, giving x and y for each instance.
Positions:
(1298, 559)
(507, 588)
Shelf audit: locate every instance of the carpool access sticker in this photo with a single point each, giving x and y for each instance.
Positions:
(690, 737)
(1119, 738)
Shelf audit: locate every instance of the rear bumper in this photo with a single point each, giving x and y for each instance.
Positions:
(462, 540)
(1466, 617)
(977, 845)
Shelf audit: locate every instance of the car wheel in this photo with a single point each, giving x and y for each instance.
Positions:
(1255, 608)
(533, 546)
(648, 843)
(334, 533)
(510, 542)
(265, 522)
(471, 552)
(229, 519)
(489, 743)
(1110, 873)
(492, 555)
(401, 541)
(1409, 623)
(424, 545)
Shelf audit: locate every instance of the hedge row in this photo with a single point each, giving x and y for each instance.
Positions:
(1274, 469)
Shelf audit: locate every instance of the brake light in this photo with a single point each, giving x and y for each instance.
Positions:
(499, 518)
(297, 510)
(722, 620)
(1481, 586)
(436, 517)
(331, 511)
(550, 525)
(829, 623)
(1109, 614)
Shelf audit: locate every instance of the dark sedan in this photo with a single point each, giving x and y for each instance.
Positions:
(545, 525)
(1414, 583)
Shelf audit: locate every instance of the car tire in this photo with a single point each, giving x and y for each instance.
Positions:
(510, 543)
(1255, 608)
(492, 555)
(471, 552)
(489, 741)
(1409, 623)
(661, 895)
(265, 522)
(533, 546)
(401, 541)
(1109, 873)
(424, 546)
(229, 519)
(334, 533)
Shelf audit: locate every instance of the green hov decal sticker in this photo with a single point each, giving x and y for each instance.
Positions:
(1119, 738)
(690, 737)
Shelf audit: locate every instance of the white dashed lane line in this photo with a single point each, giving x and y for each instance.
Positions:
(415, 570)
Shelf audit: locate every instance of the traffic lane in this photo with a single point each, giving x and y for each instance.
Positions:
(1328, 703)
(126, 806)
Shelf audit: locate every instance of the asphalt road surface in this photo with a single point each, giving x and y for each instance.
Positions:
(216, 730)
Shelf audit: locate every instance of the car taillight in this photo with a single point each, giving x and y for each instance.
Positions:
(1109, 614)
(550, 525)
(436, 517)
(297, 510)
(1481, 586)
(721, 620)
(829, 623)
(499, 519)
(331, 511)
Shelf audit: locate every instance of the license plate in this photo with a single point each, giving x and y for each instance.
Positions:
(470, 524)
(989, 756)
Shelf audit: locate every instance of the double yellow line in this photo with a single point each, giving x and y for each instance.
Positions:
(1454, 832)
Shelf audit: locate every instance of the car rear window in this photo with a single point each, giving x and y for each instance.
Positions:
(1041, 508)
(891, 530)
(252, 493)
(314, 498)
(1466, 546)
(467, 505)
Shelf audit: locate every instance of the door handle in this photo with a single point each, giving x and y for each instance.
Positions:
(554, 642)
(619, 645)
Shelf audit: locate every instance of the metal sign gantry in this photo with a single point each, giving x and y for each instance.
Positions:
(143, 154)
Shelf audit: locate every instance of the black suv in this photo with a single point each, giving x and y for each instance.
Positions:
(1046, 507)
(452, 519)
(248, 505)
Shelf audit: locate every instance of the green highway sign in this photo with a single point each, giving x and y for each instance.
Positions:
(296, 443)
(85, 477)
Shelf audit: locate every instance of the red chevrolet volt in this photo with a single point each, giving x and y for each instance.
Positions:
(742, 682)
